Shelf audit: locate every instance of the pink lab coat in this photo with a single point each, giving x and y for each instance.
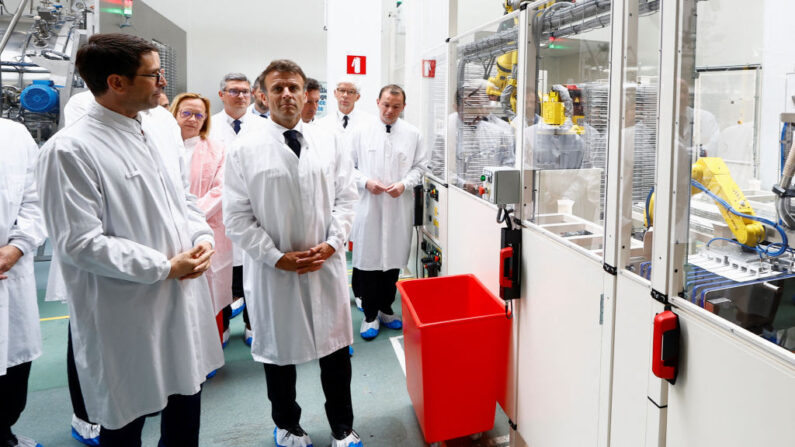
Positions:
(206, 183)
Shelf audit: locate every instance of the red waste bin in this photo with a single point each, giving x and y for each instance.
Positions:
(455, 335)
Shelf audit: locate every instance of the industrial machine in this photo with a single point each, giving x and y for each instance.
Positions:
(38, 47)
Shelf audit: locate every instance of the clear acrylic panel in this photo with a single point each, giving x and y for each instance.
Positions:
(639, 134)
(735, 92)
(484, 99)
(433, 100)
(566, 120)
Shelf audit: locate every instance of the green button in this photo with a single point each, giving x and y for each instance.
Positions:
(483, 178)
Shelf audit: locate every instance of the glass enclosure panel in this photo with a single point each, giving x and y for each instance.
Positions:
(639, 134)
(734, 94)
(433, 100)
(566, 120)
(480, 135)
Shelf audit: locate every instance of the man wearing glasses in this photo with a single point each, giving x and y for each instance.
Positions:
(133, 251)
(229, 124)
(344, 121)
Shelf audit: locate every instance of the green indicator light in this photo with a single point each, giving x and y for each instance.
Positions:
(482, 178)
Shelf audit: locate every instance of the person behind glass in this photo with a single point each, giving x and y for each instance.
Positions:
(258, 107)
(389, 162)
(229, 124)
(344, 121)
(312, 100)
(21, 232)
(288, 202)
(133, 252)
(205, 159)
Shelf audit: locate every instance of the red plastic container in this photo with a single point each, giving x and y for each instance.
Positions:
(455, 336)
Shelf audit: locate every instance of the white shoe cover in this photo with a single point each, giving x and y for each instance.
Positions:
(352, 440)
(85, 429)
(23, 441)
(285, 438)
(369, 331)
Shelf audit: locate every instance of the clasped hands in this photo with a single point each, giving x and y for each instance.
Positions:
(9, 255)
(376, 187)
(192, 263)
(306, 261)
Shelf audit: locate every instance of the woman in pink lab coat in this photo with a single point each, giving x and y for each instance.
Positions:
(205, 159)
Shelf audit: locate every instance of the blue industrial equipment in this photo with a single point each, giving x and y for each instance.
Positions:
(40, 97)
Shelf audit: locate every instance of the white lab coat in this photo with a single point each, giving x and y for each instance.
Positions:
(382, 227)
(276, 203)
(117, 210)
(21, 225)
(356, 120)
(221, 130)
(77, 106)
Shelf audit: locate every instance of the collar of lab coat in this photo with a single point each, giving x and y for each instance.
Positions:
(114, 119)
(353, 116)
(396, 126)
(277, 132)
(228, 119)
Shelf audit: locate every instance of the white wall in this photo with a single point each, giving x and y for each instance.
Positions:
(356, 27)
(245, 36)
(426, 29)
(474, 13)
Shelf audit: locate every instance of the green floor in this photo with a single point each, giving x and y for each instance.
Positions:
(235, 408)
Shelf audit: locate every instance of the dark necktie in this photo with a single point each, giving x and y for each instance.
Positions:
(236, 126)
(388, 128)
(291, 138)
(264, 115)
(345, 121)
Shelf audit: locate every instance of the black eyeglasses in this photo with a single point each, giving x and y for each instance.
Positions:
(160, 75)
(186, 114)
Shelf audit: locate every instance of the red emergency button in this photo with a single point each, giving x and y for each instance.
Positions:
(436, 258)
(481, 190)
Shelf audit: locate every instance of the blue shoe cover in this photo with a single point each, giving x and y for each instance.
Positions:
(93, 442)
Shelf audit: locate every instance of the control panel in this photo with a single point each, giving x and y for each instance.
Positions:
(433, 208)
(431, 258)
(501, 185)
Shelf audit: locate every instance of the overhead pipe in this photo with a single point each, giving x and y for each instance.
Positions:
(12, 25)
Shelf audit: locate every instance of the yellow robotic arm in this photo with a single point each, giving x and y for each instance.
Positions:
(715, 176)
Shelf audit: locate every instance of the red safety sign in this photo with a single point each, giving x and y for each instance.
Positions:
(357, 65)
(428, 68)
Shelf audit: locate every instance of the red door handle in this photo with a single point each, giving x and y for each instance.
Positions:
(505, 267)
(665, 348)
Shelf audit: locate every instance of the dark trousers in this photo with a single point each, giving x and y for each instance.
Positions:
(355, 280)
(237, 292)
(335, 376)
(13, 397)
(378, 291)
(75, 393)
(179, 425)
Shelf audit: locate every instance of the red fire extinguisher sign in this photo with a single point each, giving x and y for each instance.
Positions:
(357, 65)
(428, 68)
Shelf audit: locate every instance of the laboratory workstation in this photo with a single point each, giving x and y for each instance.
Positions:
(349, 223)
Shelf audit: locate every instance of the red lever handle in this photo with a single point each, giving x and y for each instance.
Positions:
(665, 355)
(505, 268)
